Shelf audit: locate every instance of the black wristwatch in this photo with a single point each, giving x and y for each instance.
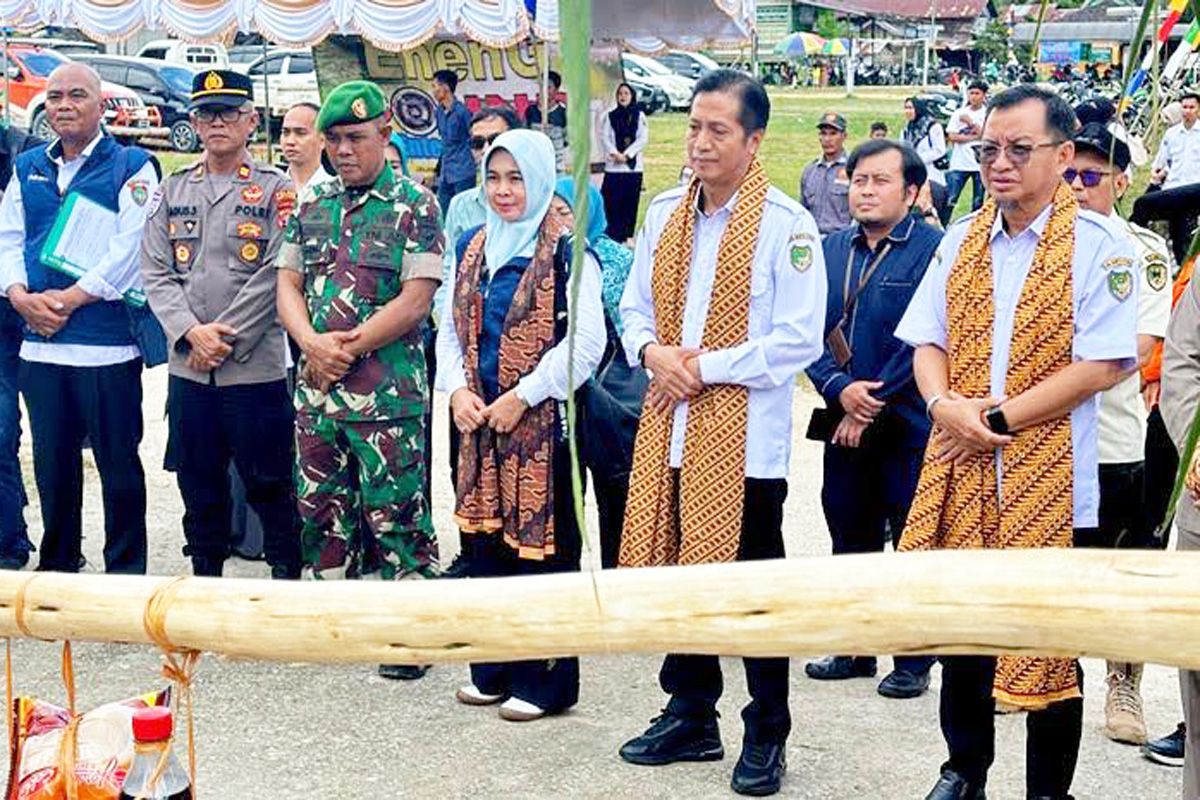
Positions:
(996, 421)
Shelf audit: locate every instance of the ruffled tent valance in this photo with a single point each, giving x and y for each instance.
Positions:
(389, 24)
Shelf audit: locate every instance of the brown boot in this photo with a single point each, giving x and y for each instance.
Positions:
(1123, 721)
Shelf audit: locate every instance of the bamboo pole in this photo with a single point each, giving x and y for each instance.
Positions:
(1127, 606)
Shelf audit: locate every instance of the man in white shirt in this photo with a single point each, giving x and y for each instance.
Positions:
(81, 367)
(302, 147)
(966, 125)
(724, 306)
(1098, 178)
(1177, 171)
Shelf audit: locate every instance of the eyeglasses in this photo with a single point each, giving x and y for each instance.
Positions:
(1089, 177)
(480, 142)
(227, 115)
(1017, 154)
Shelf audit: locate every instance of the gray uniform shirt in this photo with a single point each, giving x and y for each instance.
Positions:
(1181, 386)
(824, 191)
(208, 255)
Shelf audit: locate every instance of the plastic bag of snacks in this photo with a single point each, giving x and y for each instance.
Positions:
(40, 753)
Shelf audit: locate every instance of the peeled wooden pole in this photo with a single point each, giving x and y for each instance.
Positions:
(1137, 606)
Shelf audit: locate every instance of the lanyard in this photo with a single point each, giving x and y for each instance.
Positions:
(848, 298)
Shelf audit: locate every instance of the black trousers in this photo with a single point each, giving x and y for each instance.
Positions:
(252, 426)
(1178, 206)
(611, 495)
(622, 191)
(967, 714)
(866, 493)
(103, 404)
(550, 684)
(968, 723)
(1162, 462)
(1122, 516)
(430, 335)
(695, 682)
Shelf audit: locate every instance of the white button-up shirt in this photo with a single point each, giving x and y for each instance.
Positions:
(1105, 319)
(1179, 155)
(787, 317)
(118, 272)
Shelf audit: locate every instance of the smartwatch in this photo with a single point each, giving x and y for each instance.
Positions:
(996, 421)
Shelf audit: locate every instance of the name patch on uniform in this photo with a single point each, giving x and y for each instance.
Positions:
(139, 191)
(249, 230)
(1156, 272)
(1120, 284)
(181, 211)
(1118, 262)
(248, 251)
(252, 193)
(251, 211)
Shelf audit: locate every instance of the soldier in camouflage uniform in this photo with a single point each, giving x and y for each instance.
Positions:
(359, 267)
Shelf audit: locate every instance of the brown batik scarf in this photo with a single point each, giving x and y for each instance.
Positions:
(506, 482)
(702, 522)
(956, 506)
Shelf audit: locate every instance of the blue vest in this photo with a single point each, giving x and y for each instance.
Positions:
(100, 179)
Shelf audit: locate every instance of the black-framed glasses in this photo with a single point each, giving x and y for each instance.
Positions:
(1018, 154)
(1089, 177)
(480, 142)
(225, 114)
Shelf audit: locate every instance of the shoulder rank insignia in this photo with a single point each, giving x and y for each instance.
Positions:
(1120, 284)
(243, 172)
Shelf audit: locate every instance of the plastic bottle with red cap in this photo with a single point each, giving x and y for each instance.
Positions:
(151, 740)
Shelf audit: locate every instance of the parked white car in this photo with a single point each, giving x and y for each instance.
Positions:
(677, 88)
(289, 75)
(687, 63)
(200, 56)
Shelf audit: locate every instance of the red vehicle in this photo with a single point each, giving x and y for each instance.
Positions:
(29, 66)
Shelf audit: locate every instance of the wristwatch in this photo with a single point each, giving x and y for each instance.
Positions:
(996, 421)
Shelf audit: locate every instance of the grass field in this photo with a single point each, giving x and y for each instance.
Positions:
(791, 140)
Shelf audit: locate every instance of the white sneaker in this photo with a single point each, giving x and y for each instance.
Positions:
(518, 710)
(470, 695)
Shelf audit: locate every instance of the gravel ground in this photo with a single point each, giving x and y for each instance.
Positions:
(297, 731)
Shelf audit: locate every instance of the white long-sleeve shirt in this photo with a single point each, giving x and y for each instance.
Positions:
(1179, 155)
(787, 318)
(116, 273)
(608, 138)
(549, 378)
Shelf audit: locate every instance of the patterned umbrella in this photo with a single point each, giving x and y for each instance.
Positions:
(835, 47)
(802, 43)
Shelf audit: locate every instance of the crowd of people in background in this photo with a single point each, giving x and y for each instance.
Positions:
(995, 381)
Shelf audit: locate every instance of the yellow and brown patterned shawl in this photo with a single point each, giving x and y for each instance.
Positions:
(702, 522)
(506, 483)
(956, 506)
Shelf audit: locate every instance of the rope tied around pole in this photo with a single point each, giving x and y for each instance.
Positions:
(179, 667)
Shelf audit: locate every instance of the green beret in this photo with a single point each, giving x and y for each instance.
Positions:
(350, 103)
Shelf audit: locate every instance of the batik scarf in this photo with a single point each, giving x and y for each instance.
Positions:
(960, 505)
(506, 482)
(700, 519)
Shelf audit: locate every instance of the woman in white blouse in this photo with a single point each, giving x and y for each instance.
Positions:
(928, 137)
(625, 133)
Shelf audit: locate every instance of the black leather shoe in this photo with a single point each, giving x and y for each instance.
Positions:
(285, 572)
(952, 786)
(672, 738)
(759, 771)
(840, 668)
(402, 672)
(15, 560)
(901, 684)
(457, 568)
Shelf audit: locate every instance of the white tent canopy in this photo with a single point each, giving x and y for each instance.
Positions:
(389, 24)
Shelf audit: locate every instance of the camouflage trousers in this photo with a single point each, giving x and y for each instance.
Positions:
(360, 487)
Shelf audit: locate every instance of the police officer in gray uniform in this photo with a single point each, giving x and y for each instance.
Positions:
(208, 259)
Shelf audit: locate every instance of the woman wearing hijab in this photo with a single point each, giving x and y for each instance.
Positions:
(613, 403)
(506, 370)
(928, 137)
(624, 132)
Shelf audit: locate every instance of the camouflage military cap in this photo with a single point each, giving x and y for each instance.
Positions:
(351, 103)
